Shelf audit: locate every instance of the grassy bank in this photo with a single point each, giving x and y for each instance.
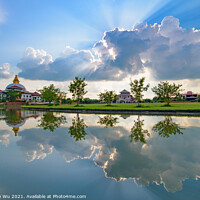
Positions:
(128, 106)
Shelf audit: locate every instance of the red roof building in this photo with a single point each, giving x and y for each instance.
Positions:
(189, 96)
(125, 97)
(25, 95)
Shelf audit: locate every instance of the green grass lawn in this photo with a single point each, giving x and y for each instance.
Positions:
(128, 106)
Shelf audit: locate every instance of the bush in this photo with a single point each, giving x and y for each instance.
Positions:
(195, 100)
(147, 100)
(90, 101)
(69, 101)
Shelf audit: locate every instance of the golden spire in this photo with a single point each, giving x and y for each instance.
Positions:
(15, 130)
(16, 80)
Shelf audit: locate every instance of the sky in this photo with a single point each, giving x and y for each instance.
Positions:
(106, 41)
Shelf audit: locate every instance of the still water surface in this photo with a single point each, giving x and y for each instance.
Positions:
(100, 156)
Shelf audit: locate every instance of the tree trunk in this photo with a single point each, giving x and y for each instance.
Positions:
(168, 102)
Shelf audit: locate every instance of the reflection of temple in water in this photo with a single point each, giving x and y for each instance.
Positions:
(16, 118)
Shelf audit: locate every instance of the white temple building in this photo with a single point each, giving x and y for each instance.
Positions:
(125, 97)
(25, 95)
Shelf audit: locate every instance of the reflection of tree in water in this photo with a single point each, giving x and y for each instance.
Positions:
(167, 127)
(77, 129)
(50, 122)
(13, 116)
(108, 121)
(137, 132)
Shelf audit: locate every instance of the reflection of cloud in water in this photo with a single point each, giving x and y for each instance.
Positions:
(4, 137)
(169, 161)
(37, 144)
(187, 121)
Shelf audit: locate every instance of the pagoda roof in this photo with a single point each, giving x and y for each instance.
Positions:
(15, 87)
(36, 94)
(33, 93)
(125, 91)
(28, 93)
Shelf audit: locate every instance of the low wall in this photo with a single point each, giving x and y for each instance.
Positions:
(14, 103)
(185, 102)
(120, 112)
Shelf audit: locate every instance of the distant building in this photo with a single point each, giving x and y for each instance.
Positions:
(189, 96)
(125, 96)
(26, 95)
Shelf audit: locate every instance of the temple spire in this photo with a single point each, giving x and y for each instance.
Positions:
(15, 130)
(16, 80)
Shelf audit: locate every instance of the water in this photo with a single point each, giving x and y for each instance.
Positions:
(99, 156)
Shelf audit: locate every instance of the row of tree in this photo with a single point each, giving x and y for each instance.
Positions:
(164, 91)
(76, 87)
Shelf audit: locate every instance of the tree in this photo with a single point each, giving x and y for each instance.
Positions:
(167, 127)
(108, 96)
(166, 91)
(50, 122)
(77, 88)
(52, 94)
(13, 116)
(12, 95)
(137, 132)
(198, 98)
(108, 121)
(137, 88)
(60, 96)
(77, 130)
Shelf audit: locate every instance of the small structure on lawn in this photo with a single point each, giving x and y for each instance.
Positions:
(189, 96)
(125, 97)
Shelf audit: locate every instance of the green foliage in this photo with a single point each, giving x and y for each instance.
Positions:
(77, 130)
(107, 96)
(90, 101)
(69, 101)
(147, 101)
(12, 95)
(167, 127)
(137, 89)
(166, 91)
(77, 88)
(52, 94)
(178, 98)
(137, 132)
(108, 121)
(13, 116)
(194, 100)
(50, 122)
(155, 99)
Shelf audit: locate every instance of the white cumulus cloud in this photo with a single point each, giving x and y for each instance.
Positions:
(4, 71)
(166, 49)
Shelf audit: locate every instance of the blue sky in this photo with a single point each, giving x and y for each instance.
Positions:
(81, 25)
(51, 25)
